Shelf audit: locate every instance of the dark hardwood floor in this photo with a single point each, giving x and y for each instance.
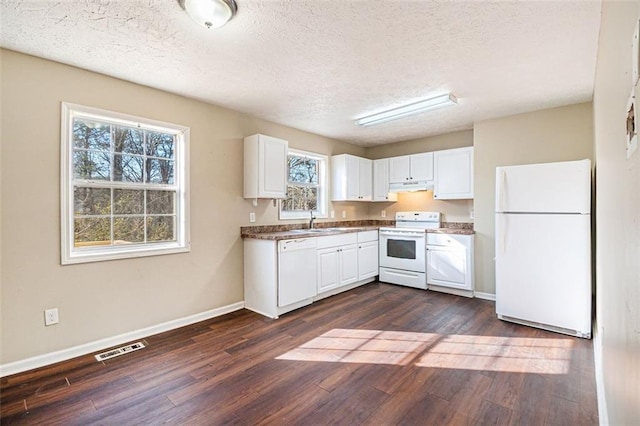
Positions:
(376, 355)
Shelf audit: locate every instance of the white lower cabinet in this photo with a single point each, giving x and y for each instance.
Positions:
(280, 276)
(368, 254)
(337, 261)
(450, 263)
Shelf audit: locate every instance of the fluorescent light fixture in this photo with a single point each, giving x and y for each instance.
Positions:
(210, 13)
(407, 110)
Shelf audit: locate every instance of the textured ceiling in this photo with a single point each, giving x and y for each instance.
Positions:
(316, 65)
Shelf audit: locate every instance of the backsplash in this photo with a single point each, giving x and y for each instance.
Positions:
(458, 225)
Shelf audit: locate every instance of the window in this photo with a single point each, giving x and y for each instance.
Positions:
(124, 186)
(306, 186)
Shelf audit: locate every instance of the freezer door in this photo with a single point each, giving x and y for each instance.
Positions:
(543, 269)
(537, 188)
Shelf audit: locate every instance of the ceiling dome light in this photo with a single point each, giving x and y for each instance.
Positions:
(210, 13)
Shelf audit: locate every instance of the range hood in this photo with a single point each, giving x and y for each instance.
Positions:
(418, 185)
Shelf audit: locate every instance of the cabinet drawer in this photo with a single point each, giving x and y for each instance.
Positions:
(366, 236)
(337, 240)
(449, 240)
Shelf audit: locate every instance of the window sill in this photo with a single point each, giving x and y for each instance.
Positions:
(100, 254)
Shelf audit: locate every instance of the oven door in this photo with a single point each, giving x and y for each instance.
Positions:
(402, 250)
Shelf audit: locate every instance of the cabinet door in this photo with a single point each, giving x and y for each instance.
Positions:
(365, 184)
(348, 264)
(399, 169)
(422, 166)
(367, 260)
(453, 174)
(272, 182)
(353, 177)
(328, 277)
(381, 181)
(448, 268)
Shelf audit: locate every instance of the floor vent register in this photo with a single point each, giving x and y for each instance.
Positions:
(120, 351)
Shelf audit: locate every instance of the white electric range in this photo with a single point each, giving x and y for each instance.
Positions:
(402, 248)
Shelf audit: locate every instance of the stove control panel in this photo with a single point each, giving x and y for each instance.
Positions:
(418, 217)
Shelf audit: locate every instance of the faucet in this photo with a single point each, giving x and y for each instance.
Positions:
(311, 221)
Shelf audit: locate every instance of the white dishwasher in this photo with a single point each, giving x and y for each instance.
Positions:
(296, 270)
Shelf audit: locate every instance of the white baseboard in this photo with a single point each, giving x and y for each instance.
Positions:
(485, 296)
(603, 413)
(98, 345)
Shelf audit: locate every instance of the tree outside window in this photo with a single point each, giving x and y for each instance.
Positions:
(125, 186)
(305, 186)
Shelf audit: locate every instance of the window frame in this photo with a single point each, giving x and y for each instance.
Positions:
(323, 189)
(70, 254)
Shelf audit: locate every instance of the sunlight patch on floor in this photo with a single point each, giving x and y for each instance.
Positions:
(494, 353)
(489, 353)
(363, 346)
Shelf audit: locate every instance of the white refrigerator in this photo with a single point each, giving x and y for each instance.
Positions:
(543, 246)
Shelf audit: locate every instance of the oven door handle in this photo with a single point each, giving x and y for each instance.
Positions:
(403, 234)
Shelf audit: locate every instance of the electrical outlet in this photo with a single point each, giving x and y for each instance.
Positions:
(471, 213)
(383, 213)
(344, 214)
(51, 316)
(252, 217)
(333, 214)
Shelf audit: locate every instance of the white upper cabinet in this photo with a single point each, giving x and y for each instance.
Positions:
(422, 166)
(265, 167)
(365, 179)
(453, 174)
(409, 168)
(381, 181)
(351, 178)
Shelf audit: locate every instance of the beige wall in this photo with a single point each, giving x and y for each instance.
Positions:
(105, 299)
(617, 221)
(453, 210)
(558, 134)
(431, 143)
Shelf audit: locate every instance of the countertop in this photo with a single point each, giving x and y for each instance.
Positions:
(269, 234)
(300, 233)
(455, 231)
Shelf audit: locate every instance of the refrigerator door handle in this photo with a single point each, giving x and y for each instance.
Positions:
(501, 184)
(502, 237)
